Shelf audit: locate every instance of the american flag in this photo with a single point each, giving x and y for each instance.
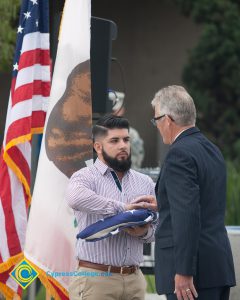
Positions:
(27, 107)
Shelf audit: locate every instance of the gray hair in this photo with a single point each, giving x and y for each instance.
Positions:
(175, 101)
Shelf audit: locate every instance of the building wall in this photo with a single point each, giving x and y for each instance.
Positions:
(152, 46)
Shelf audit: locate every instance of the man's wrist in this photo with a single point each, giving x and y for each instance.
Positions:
(143, 235)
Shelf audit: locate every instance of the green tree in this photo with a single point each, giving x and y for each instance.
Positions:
(233, 192)
(9, 15)
(212, 74)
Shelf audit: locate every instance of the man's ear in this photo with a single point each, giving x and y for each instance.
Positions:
(98, 147)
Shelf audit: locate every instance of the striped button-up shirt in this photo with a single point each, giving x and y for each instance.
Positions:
(93, 194)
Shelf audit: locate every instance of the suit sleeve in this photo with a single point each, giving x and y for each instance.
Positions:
(183, 195)
(150, 236)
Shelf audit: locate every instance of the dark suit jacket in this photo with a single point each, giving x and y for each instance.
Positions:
(191, 238)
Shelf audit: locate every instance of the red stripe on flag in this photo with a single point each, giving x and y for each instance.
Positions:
(19, 160)
(14, 245)
(33, 57)
(5, 275)
(26, 91)
(23, 126)
(19, 128)
(19, 291)
(26, 197)
(38, 119)
(13, 83)
(61, 295)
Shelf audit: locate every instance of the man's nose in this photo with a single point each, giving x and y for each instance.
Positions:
(123, 144)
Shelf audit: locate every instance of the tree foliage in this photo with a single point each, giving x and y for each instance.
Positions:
(233, 191)
(212, 74)
(9, 15)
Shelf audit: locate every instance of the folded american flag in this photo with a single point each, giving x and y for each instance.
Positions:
(113, 225)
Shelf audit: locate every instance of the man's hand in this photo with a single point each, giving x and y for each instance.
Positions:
(137, 230)
(147, 201)
(184, 287)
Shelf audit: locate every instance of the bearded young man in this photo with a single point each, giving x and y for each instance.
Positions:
(106, 188)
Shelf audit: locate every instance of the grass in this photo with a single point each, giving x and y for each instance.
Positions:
(151, 288)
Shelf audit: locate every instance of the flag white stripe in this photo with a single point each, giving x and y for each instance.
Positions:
(3, 234)
(35, 40)
(18, 206)
(29, 74)
(25, 108)
(12, 284)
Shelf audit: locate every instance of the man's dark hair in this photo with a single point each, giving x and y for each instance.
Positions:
(109, 122)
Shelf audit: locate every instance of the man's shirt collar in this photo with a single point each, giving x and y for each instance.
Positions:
(179, 134)
(101, 166)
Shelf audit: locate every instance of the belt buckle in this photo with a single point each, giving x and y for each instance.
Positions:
(128, 268)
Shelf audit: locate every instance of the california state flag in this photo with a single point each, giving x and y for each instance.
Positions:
(66, 147)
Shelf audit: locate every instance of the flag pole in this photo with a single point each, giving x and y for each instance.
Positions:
(55, 13)
(48, 296)
(32, 291)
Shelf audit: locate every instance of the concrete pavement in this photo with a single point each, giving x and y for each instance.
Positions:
(154, 297)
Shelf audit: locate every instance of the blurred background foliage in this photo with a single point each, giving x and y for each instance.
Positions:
(233, 194)
(9, 10)
(212, 74)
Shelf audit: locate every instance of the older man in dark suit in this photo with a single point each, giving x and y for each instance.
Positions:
(192, 251)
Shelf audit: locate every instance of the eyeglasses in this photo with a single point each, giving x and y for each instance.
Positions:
(154, 120)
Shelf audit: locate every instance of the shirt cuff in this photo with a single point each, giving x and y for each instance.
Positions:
(118, 206)
(148, 234)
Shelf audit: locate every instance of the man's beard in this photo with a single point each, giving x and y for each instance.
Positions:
(117, 165)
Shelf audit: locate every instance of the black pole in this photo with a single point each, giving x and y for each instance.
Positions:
(102, 33)
(55, 12)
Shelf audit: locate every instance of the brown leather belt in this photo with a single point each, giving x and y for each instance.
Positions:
(110, 269)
